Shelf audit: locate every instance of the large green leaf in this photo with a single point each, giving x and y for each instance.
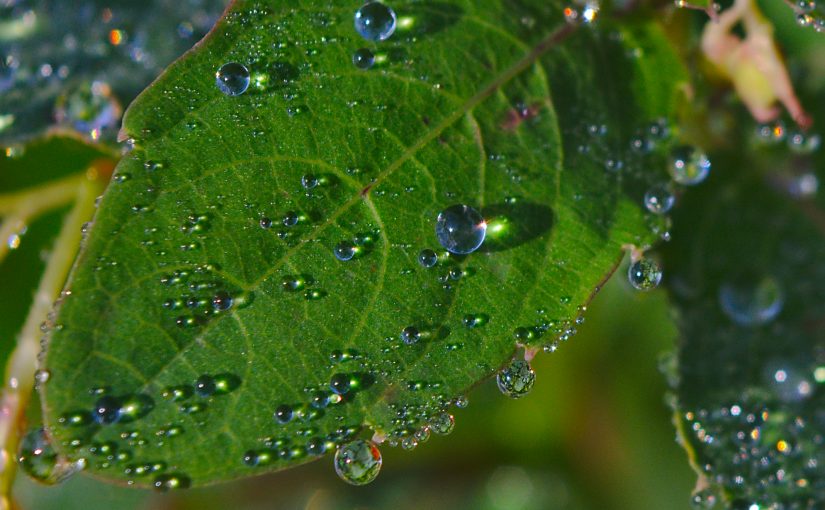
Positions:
(745, 270)
(494, 104)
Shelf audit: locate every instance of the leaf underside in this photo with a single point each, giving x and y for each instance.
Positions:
(476, 102)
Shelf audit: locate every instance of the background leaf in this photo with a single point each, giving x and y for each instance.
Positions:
(75, 64)
(746, 275)
(475, 102)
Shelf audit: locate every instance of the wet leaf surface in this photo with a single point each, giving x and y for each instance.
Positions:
(245, 298)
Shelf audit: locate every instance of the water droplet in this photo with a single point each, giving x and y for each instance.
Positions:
(40, 461)
(341, 384)
(460, 229)
(410, 335)
(232, 79)
(427, 258)
(284, 414)
(688, 165)
(291, 219)
(222, 301)
(358, 462)
(134, 407)
(106, 410)
(659, 199)
(167, 482)
(309, 181)
(802, 143)
(375, 21)
(751, 301)
(517, 379)
(644, 274)
(42, 376)
(345, 251)
(475, 320)
(363, 58)
(442, 424)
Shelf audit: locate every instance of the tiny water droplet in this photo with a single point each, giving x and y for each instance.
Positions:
(659, 199)
(363, 58)
(167, 482)
(232, 79)
(358, 462)
(375, 21)
(460, 229)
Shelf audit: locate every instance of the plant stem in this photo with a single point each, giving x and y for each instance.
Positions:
(22, 207)
(22, 363)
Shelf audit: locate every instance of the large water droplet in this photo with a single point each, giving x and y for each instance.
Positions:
(644, 274)
(427, 258)
(232, 79)
(375, 21)
(517, 379)
(358, 462)
(688, 165)
(40, 461)
(751, 302)
(460, 229)
(345, 251)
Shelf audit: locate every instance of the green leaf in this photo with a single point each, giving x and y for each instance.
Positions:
(745, 272)
(73, 64)
(498, 105)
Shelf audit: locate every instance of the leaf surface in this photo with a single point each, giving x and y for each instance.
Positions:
(495, 104)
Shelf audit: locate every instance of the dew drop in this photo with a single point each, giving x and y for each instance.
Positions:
(340, 384)
(659, 199)
(410, 335)
(644, 274)
(222, 301)
(358, 462)
(802, 143)
(460, 229)
(345, 251)
(427, 258)
(375, 21)
(363, 58)
(442, 424)
(309, 181)
(688, 165)
(232, 79)
(205, 386)
(40, 461)
(517, 379)
(167, 482)
(106, 410)
(751, 302)
(284, 414)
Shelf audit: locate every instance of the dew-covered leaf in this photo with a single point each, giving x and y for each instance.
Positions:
(260, 286)
(76, 64)
(745, 272)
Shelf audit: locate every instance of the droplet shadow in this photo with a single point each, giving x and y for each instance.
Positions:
(511, 225)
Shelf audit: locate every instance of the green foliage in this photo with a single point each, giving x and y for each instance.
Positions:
(181, 292)
(746, 275)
